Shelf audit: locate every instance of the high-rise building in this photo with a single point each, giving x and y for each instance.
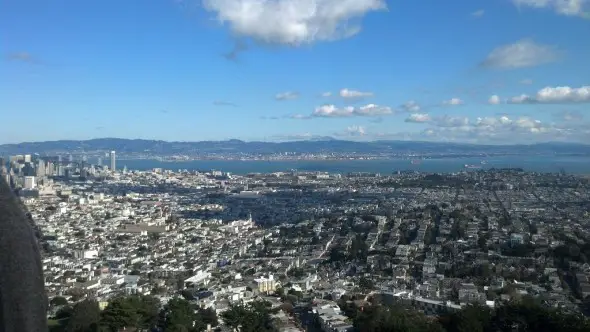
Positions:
(113, 161)
(50, 169)
(41, 168)
(29, 182)
(99, 162)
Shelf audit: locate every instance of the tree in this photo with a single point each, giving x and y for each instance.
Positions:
(473, 318)
(147, 310)
(366, 284)
(382, 319)
(85, 317)
(208, 317)
(119, 314)
(181, 315)
(255, 317)
(58, 301)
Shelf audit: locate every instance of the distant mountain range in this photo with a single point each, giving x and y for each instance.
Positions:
(323, 145)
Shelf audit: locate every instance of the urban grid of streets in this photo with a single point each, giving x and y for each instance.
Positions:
(436, 242)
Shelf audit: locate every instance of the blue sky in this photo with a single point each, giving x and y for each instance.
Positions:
(482, 71)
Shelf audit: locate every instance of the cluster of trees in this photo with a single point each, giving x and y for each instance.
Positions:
(525, 315)
(145, 313)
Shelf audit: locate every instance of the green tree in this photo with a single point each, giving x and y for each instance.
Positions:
(85, 317)
(208, 316)
(119, 314)
(385, 319)
(147, 309)
(255, 317)
(58, 301)
(181, 315)
(366, 284)
(473, 318)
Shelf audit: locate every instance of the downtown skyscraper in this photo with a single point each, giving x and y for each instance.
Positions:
(113, 161)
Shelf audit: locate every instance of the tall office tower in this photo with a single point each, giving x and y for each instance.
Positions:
(84, 158)
(70, 158)
(28, 169)
(99, 162)
(59, 159)
(27, 158)
(29, 182)
(113, 162)
(41, 168)
(50, 169)
(2, 161)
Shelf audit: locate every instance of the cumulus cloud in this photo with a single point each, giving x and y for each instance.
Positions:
(562, 7)
(451, 121)
(453, 102)
(293, 22)
(500, 129)
(523, 53)
(289, 95)
(354, 131)
(411, 106)
(504, 129)
(418, 118)
(494, 100)
(373, 110)
(331, 111)
(354, 94)
(555, 95)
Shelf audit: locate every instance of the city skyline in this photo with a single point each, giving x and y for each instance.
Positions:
(511, 71)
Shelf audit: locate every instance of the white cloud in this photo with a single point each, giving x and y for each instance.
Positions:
(494, 130)
(293, 22)
(411, 106)
(373, 110)
(453, 102)
(356, 131)
(478, 13)
(502, 129)
(494, 100)
(326, 94)
(562, 7)
(555, 95)
(523, 53)
(289, 95)
(451, 121)
(418, 118)
(354, 94)
(526, 81)
(331, 111)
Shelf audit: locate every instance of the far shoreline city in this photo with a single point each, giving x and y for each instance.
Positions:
(319, 246)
